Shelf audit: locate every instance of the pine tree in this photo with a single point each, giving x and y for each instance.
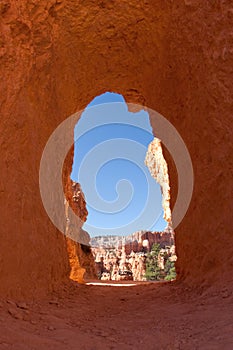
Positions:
(152, 269)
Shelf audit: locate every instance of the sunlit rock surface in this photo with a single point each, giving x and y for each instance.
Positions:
(80, 255)
(115, 254)
(159, 171)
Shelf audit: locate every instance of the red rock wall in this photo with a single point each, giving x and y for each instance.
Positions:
(55, 57)
(81, 260)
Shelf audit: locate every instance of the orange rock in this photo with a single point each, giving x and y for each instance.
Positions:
(54, 59)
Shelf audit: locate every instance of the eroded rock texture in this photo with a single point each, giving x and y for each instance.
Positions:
(80, 257)
(116, 254)
(157, 166)
(55, 57)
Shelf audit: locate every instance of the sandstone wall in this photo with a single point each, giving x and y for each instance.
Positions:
(55, 57)
(81, 260)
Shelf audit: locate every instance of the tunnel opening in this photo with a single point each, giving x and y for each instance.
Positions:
(120, 187)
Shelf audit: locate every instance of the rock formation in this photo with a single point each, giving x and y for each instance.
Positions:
(136, 241)
(115, 255)
(55, 57)
(80, 256)
(157, 166)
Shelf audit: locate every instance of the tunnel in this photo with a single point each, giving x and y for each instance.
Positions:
(173, 57)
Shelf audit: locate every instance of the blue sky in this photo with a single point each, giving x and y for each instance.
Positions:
(110, 148)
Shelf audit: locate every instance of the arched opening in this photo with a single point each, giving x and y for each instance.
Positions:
(120, 188)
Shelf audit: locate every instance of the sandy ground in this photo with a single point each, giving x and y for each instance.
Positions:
(154, 316)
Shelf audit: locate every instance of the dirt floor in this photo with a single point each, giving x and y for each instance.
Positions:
(152, 316)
